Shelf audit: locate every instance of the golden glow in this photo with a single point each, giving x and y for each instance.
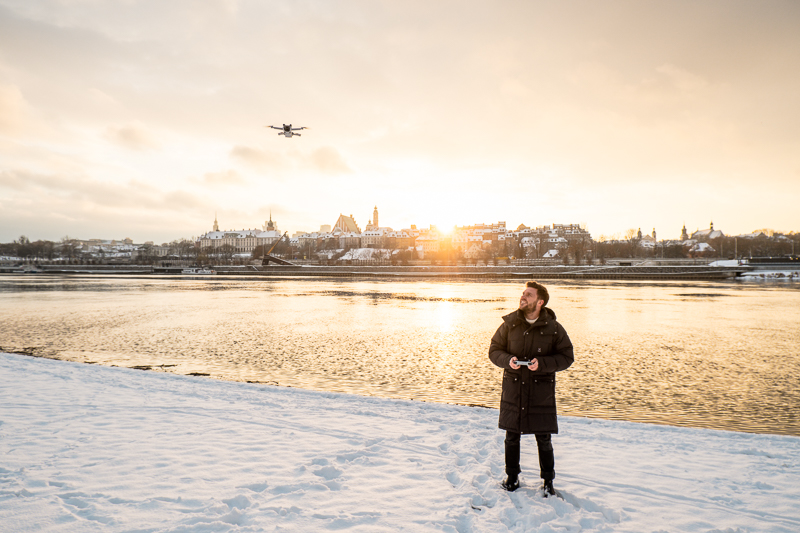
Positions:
(446, 230)
(445, 316)
(459, 128)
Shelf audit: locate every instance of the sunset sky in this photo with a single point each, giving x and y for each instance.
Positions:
(143, 119)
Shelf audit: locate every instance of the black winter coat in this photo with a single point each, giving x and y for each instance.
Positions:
(528, 401)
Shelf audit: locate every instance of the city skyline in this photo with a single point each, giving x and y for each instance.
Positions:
(272, 226)
(142, 120)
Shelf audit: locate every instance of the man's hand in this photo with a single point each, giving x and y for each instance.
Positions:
(533, 366)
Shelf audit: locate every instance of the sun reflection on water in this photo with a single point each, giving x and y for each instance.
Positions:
(711, 354)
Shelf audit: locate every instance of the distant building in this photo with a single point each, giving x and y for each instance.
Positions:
(559, 233)
(373, 224)
(241, 241)
(429, 241)
(647, 241)
(464, 237)
(474, 251)
(400, 240)
(349, 239)
(754, 235)
(373, 237)
(701, 248)
(707, 234)
(270, 225)
(346, 224)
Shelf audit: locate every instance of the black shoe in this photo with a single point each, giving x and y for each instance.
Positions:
(547, 488)
(511, 483)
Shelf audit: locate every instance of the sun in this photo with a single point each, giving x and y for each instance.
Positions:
(446, 223)
(446, 229)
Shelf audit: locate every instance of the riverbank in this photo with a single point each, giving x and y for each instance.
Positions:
(93, 448)
(644, 271)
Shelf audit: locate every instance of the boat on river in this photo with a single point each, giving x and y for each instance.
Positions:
(198, 272)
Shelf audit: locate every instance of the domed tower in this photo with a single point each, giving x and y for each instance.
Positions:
(684, 234)
(654, 234)
(375, 217)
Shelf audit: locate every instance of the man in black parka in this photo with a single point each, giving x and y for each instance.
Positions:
(528, 402)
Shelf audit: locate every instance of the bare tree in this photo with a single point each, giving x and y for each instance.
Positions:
(225, 253)
(631, 235)
(67, 248)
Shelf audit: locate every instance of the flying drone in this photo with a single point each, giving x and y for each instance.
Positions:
(287, 130)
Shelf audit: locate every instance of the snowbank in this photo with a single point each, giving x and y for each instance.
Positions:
(366, 254)
(779, 273)
(89, 448)
(772, 274)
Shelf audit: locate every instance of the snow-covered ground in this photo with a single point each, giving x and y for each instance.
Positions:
(725, 263)
(90, 448)
(366, 254)
(773, 274)
(780, 273)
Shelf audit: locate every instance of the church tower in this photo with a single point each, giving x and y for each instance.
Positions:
(654, 234)
(375, 217)
(216, 226)
(684, 235)
(269, 225)
(639, 235)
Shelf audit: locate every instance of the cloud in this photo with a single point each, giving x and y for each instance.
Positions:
(12, 180)
(183, 200)
(101, 97)
(682, 79)
(549, 97)
(256, 158)
(93, 195)
(329, 161)
(134, 135)
(16, 115)
(226, 177)
(11, 108)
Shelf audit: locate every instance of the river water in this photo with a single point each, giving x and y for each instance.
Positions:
(706, 354)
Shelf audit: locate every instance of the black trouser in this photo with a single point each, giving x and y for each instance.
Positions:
(547, 460)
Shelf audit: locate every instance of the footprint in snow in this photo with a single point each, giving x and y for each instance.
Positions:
(453, 478)
(328, 473)
(255, 487)
(237, 502)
